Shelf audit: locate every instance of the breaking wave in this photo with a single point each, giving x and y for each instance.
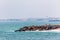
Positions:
(45, 31)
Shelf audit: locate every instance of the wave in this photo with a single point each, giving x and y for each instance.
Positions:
(32, 31)
(45, 31)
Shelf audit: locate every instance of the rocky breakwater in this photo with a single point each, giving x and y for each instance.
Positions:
(39, 28)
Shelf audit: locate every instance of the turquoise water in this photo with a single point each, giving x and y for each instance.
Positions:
(7, 31)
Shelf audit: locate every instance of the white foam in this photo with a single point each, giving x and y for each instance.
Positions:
(45, 31)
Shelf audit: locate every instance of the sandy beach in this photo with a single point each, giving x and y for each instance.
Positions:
(57, 29)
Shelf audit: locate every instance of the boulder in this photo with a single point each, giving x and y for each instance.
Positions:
(40, 28)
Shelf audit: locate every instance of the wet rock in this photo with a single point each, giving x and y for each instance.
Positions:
(40, 28)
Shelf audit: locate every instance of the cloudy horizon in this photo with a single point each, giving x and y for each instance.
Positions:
(16, 9)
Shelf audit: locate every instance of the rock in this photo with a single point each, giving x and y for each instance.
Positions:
(40, 28)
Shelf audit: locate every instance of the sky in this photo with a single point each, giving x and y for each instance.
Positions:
(16, 9)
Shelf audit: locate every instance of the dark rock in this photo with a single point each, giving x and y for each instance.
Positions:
(40, 28)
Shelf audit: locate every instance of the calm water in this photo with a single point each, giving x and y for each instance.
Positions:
(7, 31)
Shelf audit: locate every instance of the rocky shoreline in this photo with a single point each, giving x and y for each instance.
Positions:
(39, 28)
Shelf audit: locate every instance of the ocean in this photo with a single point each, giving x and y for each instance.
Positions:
(7, 31)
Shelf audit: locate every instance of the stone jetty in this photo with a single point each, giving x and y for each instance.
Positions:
(39, 28)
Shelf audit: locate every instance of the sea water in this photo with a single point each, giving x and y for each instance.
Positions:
(7, 31)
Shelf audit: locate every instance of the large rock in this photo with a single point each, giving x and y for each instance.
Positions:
(40, 28)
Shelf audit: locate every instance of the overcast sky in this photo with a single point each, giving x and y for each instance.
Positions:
(29, 8)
